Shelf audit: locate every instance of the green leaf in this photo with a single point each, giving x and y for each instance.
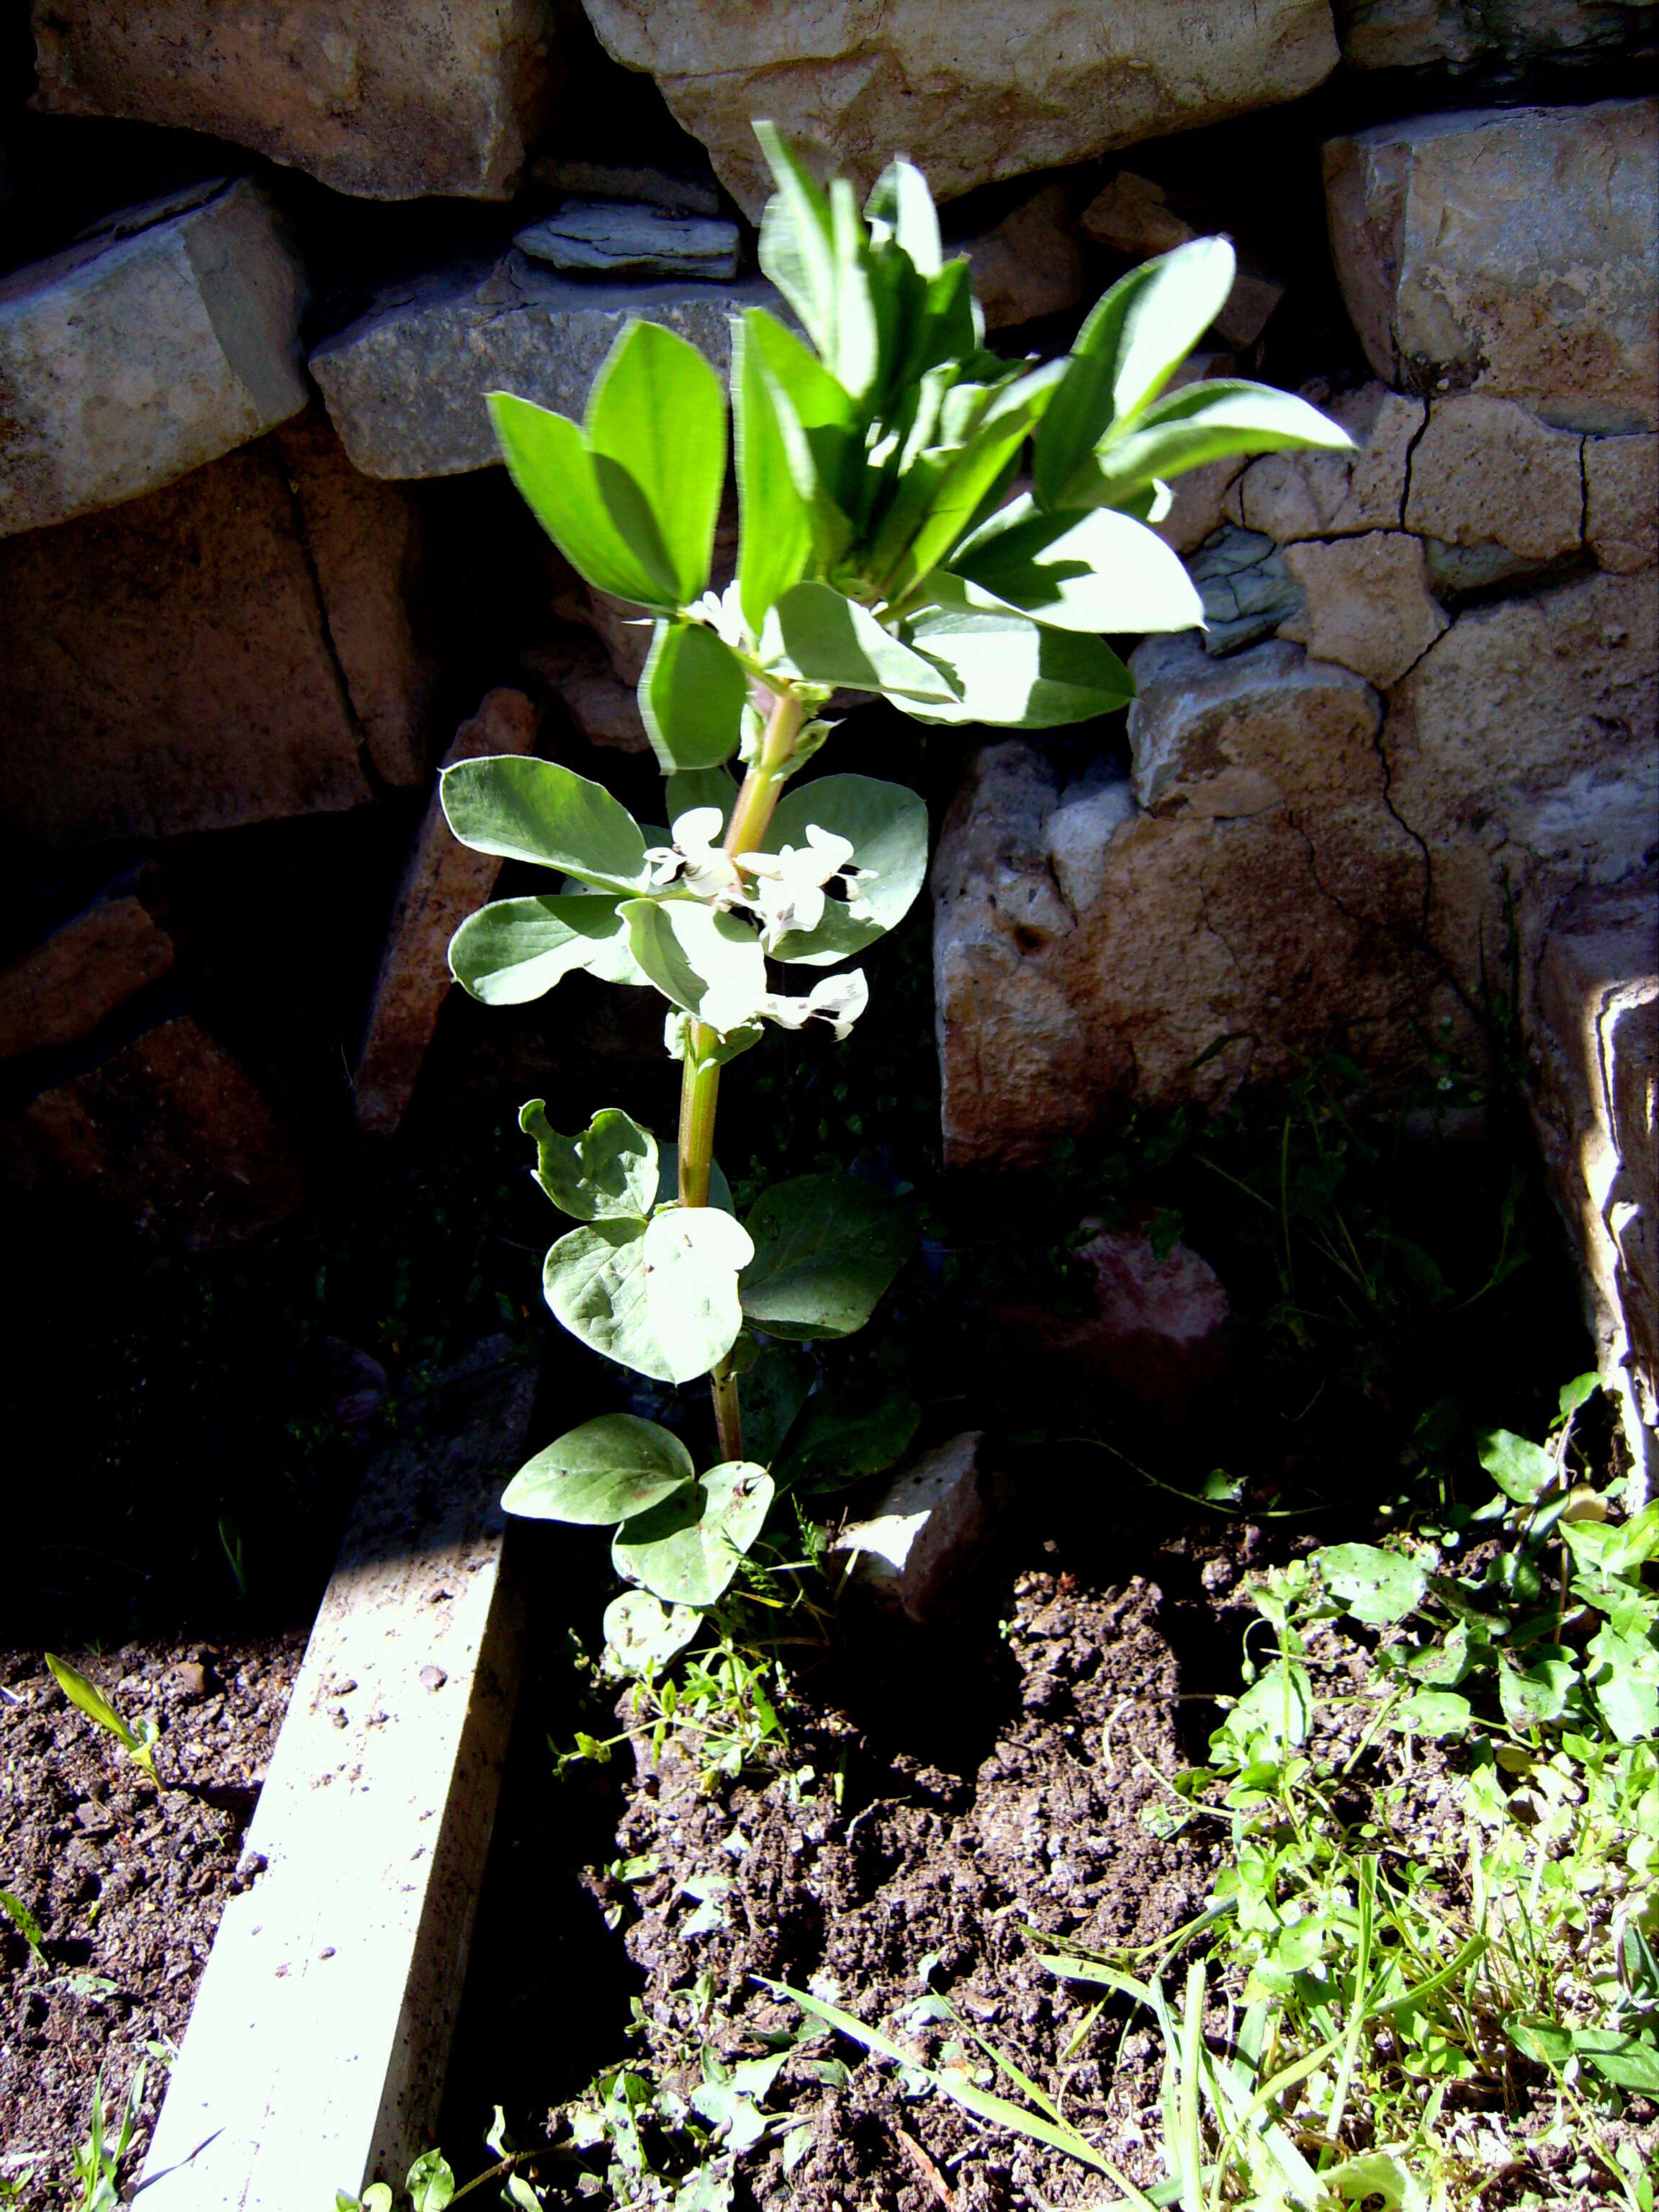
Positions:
(1130, 346)
(1543, 2041)
(773, 1392)
(536, 810)
(817, 635)
(1578, 1393)
(700, 786)
(1540, 1693)
(774, 509)
(1521, 1470)
(846, 1433)
(658, 414)
(1626, 1683)
(24, 1921)
(1434, 1712)
(709, 963)
(1100, 571)
(826, 1246)
(692, 695)
(821, 427)
(430, 2184)
(686, 1549)
(1274, 1714)
(515, 950)
(693, 1257)
(901, 207)
(1629, 2060)
(886, 826)
(607, 1470)
(1014, 673)
(1203, 422)
(641, 1637)
(548, 459)
(609, 1172)
(593, 1281)
(94, 1704)
(1376, 1586)
(797, 239)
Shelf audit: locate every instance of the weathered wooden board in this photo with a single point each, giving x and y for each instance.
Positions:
(315, 2055)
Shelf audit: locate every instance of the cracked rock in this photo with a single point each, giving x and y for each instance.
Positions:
(1367, 603)
(85, 971)
(1621, 501)
(1297, 495)
(1486, 473)
(1510, 251)
(1247, 590)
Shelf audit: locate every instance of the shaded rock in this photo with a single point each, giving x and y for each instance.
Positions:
(157, 343)
(925, 1533)
(1296, 495)
(1368, 603)
(1460, 573)
(405, 385)
(168, 667)
(1521, 752)
(1245, 587)
(610, 180)
(1198, 504)
(1621, 501)
(171, 1132)
(1485, 471)
(598, 234)
(1497, 36)
(1249, 895)
(1157, 1330)
(1594, 1027)
(444, 881)
(1030, 264)
(388, 103)
(364, 541)
(626, 638)
(76, 979)
(1510, 252)
(1249, 307)
(971, 91)
(605, 710)
(1132, 215)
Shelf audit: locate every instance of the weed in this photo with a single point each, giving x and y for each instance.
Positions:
(96, 2171)
(139, 1743)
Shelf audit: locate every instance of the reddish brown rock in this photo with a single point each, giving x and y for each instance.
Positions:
(443, 883)
(171, 1132)
(1366, 604)
(1030, 264)
(1157, 1329)
(76, 978)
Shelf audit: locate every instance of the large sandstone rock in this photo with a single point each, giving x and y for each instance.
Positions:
(1296, 495)
(1489, 35)
(1521, 753)
(391, 103)
(159, 343)
(972, 91)
(443, 883)
(1621, 501)
(1511, 252)
(1241, 904)
(1485, 471)
(1366, 603)
(87, 970)
(1594, 1027)
(199, 659)
(1030, 265)
(405, 385)
(171, 1132)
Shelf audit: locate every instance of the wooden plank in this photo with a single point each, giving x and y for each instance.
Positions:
(315, 2055)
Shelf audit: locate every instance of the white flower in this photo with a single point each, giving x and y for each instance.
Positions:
(839, 1000)
(723, 612)
(694, 861)
(789, 894)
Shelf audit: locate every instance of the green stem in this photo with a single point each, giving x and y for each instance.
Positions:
(701, 1078)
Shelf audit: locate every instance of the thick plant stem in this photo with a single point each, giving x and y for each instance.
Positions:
(701, 1077)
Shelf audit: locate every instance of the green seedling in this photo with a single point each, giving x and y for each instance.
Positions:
(138, 1743)
(25, 1923)
(885, 551)
(96, 2171)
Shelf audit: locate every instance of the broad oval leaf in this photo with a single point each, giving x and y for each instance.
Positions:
(1204, 422)
(607, 1470)
(846, 1433)
(515, 950)
(901, 208)
(693, 1257)
(1376, 1586)
(775, 511)
(1521, 1470)
(1015, 672)
(657, 412)
(826, 1246)
(641, 1637)
(691, 696)
(593, 1281)
(686, 1549)
(536, 810)
(702, 787)
(548, 459)
(1434, 1713)
(1099, 571)
(709, 963)
(609, 1172)
(817, 635)
(886, 826)
(1540, 1693)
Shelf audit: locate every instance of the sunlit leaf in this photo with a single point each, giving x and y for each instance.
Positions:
(657, 412)
(607, 1470)
(1202, 423)
(886, 826)
(691, 696)
(1012, 671)
(515, 950)
(817, 635)
(826, 1248)
(686, 1549)
(609, 1172)
(1099, 571)
(548, 459)
(1376, 1586)
(536, 811)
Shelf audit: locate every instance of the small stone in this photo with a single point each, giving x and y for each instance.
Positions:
(1457, 573)
(929, 1526)
(1157, 1331)
(1485, 471)
(433, 1677)
(1621, 506)
(1030, 265)
(1510, 252)
(1368, 604)
(639, 241)
(188, 1679)
(1246, 587)
(444, 881)
(77, 977)
(1293, 495)
(612, 180)
(1249, 307)
(1134, 216)
(153, 345)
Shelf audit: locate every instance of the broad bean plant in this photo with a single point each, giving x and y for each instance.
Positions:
(922, 521)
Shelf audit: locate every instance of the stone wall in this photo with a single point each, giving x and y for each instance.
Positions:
(258, 268)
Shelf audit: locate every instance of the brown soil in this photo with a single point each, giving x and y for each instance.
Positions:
(125, 1882)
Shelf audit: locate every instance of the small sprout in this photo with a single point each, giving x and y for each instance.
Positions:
(138, 1744)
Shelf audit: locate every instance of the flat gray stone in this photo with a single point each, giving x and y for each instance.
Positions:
(405, 385)
(620, 180)
(602, 234)
(1246, 589)
(1495, 37)
(153, 345)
